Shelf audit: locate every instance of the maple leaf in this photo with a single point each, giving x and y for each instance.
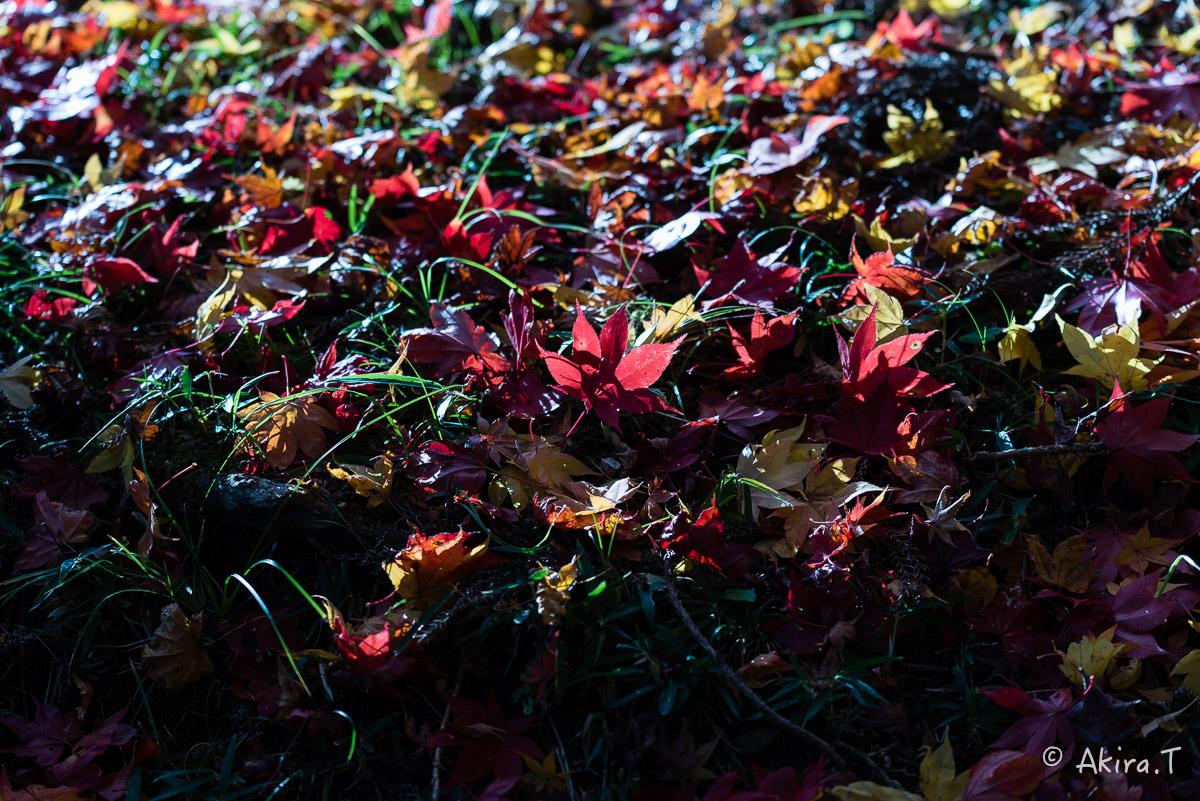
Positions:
(373, 481)
(1142, 447)
(554, 589)
(939, 781)
(743, 277)
(911, 141)
(451, 466)
(663, 325)
(59, 480)
(1142, 550)
(111, 274)
(1167, 92)
(764, 670)
(17, 380)
(1189, 668)
(490, 743)
(765, 336)
(781, 151)
(881, 271)
(1044, 721)
(175, 656)
(1110, 357)
(1065, 568)
(704, 541)
(606, 378)
(545, 465)
(455, 343)
(735, 412)
(58, 525)
(1017, 344)
(1004, 776)
(1144, 283)
(941, 518)
(427, 563)
(590, 508)
(776, 467)
(283, 427)
(1094, 659)
(264, 191)
(866, 366)
(40, 306)
(889, 314)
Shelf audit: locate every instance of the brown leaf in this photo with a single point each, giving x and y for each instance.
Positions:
(1065, 568)
(264, 191)
(175, 657)
(764, 669)
(281, 427)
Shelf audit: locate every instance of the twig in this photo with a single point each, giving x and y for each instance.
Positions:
(1038, 450)
(756, 700)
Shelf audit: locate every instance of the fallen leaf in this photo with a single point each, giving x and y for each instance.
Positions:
(1110, 357)
(175, 656)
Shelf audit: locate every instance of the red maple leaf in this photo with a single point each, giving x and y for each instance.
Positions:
(1143, 446)
(490, 743)
(455, 343)
(743, 277)
(704, 541)
(1044, 721)
(1167, 92)
(112, 274)
(880, 270)
(1140, 284)
(765, 336)
(43, 306)
(606, 378)
(866, 365)
(1004, 776)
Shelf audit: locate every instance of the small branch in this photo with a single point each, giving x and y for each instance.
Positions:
(1038, 450)
(773, 717)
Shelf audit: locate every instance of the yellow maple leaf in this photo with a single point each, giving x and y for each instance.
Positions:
(1111, 356)
(373, 481)
(870, 791)
(911, 141)
(939, 782)
(1092, 657)
(1141, 550)
(16, 382)
(1189, 668)
(544, 776)
(663, 324)
(429, 563)
(554, 589)
(264, 191)
(889, 314)
(281, 427)
(779, 464)
(1018, 345)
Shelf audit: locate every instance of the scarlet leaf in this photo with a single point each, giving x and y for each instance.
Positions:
(1143, 447)
(605, 377)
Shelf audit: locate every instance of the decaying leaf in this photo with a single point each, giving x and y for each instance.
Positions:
(373, 481)
(175, 656)
(285, 427)
(432, 562)
(554, 589)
